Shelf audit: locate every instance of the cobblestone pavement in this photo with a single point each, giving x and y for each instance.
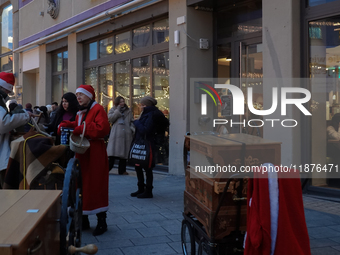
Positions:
(152, 226)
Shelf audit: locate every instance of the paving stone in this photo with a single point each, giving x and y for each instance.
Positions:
(324, 251)
(118, 235)
(115, 251)
(137, 225)
(150, 240)
(156, 231)
(177, 246)
(151, 249)
(173, 229)
(322, 243)
(175, 238)
(145, 217)
(323, 232)
(336, 247)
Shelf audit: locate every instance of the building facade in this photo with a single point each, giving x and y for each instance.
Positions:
(132, 48)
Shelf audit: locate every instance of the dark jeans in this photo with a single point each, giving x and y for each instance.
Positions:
(121, 165)
(140, 177)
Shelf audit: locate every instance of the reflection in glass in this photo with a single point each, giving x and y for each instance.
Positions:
(57, 62)
(57, 89)
(160, 63)
(252, 76)
(105, 91)
(239, 20)
(122, 43)
(7, 29)
(141, 37)
(318, 2)
(324, 52)
(91, 51)
(7, 63)
(105, 47)
(91, 78)
(160, 31)
(122, 81)
(141, 81)
(65, 60)
(65, 85)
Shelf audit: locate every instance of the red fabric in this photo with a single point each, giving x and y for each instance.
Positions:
(94, 162)
(65, 123)
(78, 130)
(258, 240)
(90, 89)
(292, 234)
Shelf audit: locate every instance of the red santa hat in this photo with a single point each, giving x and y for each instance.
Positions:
(87, 90)
(7, 81)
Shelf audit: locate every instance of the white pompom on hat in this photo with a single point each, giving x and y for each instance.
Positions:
(7, 81)
(87, 90)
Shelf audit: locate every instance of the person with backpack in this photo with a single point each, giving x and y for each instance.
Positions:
(150, 121)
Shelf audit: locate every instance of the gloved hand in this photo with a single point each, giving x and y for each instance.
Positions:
(78, 130)
(60, 126)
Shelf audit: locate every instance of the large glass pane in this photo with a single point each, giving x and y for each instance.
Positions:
(141, 37)
(122, 43)
(160, 72)
(160, 31)
(65, 84)
(65, 60)
(7, 63)
(160, 63)
(252, 76)
(122, 81)
(242, 18)
(105, 47)
(318, 2)
(91, 78)
(57, 88)
(324, 51)
(105, 90)
(141, 81)
(57, 62)
(7, 29)
(91, 51)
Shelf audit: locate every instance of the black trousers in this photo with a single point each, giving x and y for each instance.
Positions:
(121, 164)
(140, 177)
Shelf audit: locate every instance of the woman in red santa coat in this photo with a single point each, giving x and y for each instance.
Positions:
(94, 162)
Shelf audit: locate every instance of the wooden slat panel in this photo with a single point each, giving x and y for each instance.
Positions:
(9, 198)
(16, 224)
(6, 250)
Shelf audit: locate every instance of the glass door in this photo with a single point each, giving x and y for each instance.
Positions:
(251, 76)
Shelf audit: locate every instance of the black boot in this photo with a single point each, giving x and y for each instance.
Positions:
(139, 191)
(101, 225)
(147, 193)
(85, 222)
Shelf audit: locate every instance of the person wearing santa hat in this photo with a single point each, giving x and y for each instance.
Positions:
(8, 121)
(94, 162)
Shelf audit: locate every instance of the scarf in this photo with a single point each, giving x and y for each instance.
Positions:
(3, 99)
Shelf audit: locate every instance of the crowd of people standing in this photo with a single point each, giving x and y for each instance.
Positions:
(81, 113)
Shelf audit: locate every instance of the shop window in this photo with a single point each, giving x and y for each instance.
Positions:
(105, 47)
(141, 37)
(59, 75)
(324, 73)
(160, 31)
(160, 64)
(318, 2)
(105, 88)
(141, 81)
(122, 43)
(91, 78)
(122, 81)
(6, 39)
(91, 51)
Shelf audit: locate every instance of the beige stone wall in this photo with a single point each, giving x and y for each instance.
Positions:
(31, 22)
